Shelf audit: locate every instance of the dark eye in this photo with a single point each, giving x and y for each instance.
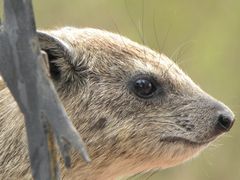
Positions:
(144, 87)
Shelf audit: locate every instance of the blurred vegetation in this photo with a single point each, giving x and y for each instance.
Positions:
(201, 36)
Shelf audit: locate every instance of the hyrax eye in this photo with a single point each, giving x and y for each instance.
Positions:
(144, 87)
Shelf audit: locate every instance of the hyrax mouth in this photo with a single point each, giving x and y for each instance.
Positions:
(176, 140)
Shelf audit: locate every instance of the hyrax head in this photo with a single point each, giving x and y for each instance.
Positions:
(133, 106)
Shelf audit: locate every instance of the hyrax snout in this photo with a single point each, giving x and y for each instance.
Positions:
(135, 108)
(224, 117)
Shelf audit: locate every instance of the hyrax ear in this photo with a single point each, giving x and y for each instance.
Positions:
(57, 51)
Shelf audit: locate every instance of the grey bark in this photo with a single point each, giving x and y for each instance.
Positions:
(21, 66)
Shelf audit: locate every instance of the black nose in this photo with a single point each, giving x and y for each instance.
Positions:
(225, 122)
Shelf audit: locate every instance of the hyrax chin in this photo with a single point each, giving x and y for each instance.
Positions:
(135, 109)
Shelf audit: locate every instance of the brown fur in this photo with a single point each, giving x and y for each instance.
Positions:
(124, 134)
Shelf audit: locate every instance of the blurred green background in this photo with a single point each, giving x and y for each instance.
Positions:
(201, 36)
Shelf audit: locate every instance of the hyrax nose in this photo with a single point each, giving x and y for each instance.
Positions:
(225, 121)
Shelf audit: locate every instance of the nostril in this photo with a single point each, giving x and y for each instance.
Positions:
(225, 122)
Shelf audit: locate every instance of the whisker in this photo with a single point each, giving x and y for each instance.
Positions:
(167, 70)
(155, 32)
(133, 22)
(119, 33)
(165, 38)
(135, 176)
(151, 174)
(177, 50)
(142, 25)
(143, 2)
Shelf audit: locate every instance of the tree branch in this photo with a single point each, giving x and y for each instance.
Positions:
(21, 68)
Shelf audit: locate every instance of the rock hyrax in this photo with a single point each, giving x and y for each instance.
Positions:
(135, 108)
